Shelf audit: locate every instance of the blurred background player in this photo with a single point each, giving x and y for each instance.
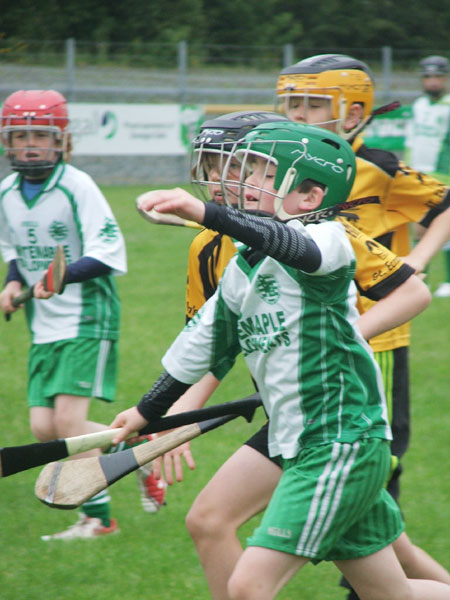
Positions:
(428, 136)
(336, 92)
(278, 177)
(74, 336)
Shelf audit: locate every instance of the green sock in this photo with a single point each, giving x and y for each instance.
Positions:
(99, 506)
(447, 264)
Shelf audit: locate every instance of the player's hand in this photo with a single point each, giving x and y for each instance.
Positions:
(172, 462)
(176, 202)
(130, 420)
(40, 292)
(12, 289)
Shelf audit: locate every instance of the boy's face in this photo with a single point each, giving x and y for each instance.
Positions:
(259, 192)
(213, 165)
(32, 145)
(311, 110)
(434, 84)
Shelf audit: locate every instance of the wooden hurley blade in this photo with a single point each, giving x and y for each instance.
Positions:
(59, 272)
(57, 282)
(69, 484)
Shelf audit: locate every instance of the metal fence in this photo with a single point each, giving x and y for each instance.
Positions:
(217, 77)
(199, 74)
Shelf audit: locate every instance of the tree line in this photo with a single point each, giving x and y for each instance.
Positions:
(401, 24)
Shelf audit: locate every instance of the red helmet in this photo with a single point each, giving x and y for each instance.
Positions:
(31, 110)
(41, 108)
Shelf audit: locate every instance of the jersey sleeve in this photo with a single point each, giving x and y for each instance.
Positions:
(378, 270)
(208, 343)
(100, 232)
(419, 197)
(6, 246)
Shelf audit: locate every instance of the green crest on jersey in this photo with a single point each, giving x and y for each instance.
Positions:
(110, 231)
(268, 288)
(58, 231)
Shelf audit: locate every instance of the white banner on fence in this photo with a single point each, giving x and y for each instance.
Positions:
(124, 129)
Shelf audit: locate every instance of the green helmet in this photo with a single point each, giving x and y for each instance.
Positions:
(302, 152)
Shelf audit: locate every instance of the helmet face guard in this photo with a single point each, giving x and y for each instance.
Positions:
(295, 153)
(339, 78)
(211, 149)
(29, 117)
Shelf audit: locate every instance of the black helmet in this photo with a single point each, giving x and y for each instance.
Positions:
(327, 62)
(217, 137)
(434, 65)
(223, 131)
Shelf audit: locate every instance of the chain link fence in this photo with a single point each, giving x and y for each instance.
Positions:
(216, 77)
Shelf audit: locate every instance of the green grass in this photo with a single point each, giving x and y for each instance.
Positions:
(153, 556)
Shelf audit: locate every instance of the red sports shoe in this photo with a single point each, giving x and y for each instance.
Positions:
(153, 491)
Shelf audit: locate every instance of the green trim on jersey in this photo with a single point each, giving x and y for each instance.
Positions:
(100, 313)
(76, 218)
(385, 360)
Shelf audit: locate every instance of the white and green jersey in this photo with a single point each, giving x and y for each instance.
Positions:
(71, 211)
(317, 376)
(428, 135)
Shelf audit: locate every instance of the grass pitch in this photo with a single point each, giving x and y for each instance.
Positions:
(153, 556)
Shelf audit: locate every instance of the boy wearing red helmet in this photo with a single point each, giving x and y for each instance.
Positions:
(45, 203)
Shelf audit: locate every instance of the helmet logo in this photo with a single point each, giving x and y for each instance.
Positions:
(212, 132)
(320, 161)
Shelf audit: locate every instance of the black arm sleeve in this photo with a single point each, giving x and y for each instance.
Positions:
(271, 237)
(13, 273)
(165, 391)
(86, 268)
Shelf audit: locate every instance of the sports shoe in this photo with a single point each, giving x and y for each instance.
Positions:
(85, 527)
(443, 291)
(153, 491)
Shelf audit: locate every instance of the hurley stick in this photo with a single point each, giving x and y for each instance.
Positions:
(14, 459)
(53, 280)
(69, 484)
(165, 218)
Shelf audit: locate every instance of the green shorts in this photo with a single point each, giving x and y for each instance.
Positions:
(330, 504)
(79, 367)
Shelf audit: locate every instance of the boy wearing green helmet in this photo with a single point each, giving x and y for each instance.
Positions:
(287, 302)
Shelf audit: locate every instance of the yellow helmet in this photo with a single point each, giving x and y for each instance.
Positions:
(343, 79)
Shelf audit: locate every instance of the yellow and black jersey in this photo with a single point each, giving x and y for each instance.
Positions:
(378, 270)
(401, 196)
(209, 254)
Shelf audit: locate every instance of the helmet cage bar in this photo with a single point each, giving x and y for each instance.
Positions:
(229, 185)
(201, 170)
(244, 156)
(338, 104)
(50, 156)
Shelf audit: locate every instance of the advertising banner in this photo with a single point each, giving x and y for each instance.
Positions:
(133, 129)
